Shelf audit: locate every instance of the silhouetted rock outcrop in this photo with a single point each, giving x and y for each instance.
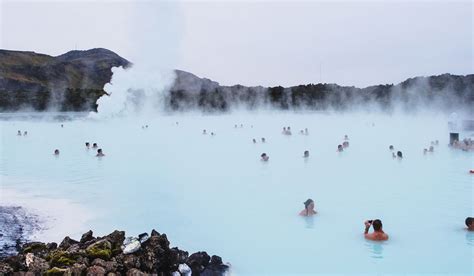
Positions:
(74, 81)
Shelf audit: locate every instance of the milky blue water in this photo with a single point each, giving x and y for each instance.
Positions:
(213, 193)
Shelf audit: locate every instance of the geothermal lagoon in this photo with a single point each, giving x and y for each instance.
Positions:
(214, 193)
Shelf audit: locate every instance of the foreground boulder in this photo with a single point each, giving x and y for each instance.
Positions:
(105, 256)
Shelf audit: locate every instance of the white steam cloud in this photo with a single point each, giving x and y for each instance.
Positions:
(153, 43)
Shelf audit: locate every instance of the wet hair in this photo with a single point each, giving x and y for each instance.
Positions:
(469, 221)
(263, 155)
(56, 151)
(390, 147)
(87, 144)
(306, 153)
(99, 151)
(263, 139)
(377, 224)
(307, 203)
(255, 141)
(94, 145)
(399, 154)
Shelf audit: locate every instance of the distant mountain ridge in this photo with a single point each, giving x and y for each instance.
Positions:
(75, 80)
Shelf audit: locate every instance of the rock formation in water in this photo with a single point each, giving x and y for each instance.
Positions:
(74, 81)
(147, 255)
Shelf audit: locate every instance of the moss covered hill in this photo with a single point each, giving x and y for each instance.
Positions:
(75, 80)
(69, 82)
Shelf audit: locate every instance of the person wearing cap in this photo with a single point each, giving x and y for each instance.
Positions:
(308, 208)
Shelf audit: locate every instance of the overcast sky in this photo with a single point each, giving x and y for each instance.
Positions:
(257, 43)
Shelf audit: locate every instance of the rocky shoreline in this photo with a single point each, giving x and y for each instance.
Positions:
(111, 255)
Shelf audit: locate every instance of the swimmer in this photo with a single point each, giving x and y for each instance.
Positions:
(241, 125)
(378, 234)
(204, 131)
(306, 132)
(146, 126)
(99, 153)
(254, 141)
(308, 208)
(390, 147)
(18, 133)
(284, 130)
(94, 146)
(399, 154)
(288, 131)
(346, 137)
(436, 142)
(301, 132)
(431, 149)
(56, 152)
(345, 144)
(340, 148)
(62, 125)
(470, 223)
(306, 154)
(425, 151)
(88, 145)
(25, 133)
(264, 157)
(235, 126)
(263, 140)
(212, 133)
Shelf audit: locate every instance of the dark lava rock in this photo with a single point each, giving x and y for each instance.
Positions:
(51, 246)
(215, 267)
(5, 268)
(135, 272)
(36, 264)
(76, 269)
(67, 242)
(96, 270)
(154, 233)
(198, 262)
(103, 256)
(87, 237)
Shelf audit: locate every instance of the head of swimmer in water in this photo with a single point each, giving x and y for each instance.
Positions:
(399, 154)
(99, 151)
(19, 132)
(264, 157)
(203, 131)
(263, 140)
(469, 223)
(377, 224)
(309, 204)
(339, 148)
(88, 145)
(306, 153)
(431, 149)
(254, 141)
(390, 147)
(346, 137)
(56, 152)
(94, 145)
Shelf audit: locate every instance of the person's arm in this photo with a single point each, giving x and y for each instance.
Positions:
(367, 227)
